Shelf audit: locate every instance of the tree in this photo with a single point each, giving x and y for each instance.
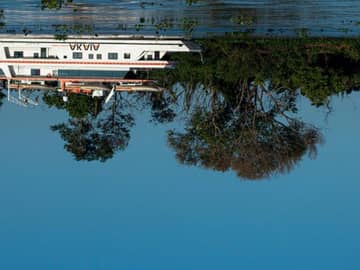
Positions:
(318, 67)
(97, 137)
(241, 103)
(251, 135)
(78, 106)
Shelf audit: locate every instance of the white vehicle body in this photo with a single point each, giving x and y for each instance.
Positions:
(85, 56)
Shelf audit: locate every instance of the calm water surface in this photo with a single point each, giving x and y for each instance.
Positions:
(272, 17)
(247, 160)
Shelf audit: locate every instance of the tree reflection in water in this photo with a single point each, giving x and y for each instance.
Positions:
(95, 134)
(239, 105)
(2, 96)
(54, 4)
(251, 134)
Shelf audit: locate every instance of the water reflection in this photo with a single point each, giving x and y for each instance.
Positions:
(54, 4)
(241, 106)
(2, 96)
(97, 130)
(241, 103)
(327, 17)
(237, 101)
(248, 131)
(94, 131)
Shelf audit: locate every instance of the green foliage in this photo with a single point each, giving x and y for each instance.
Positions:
(91, 134)
(245, 137)
(54, 4)
(92, 139)
(318, 67)
(243, 19)
(82, 141)
(62, 30)
(188, 26)
(241, 101)
(78, 106)
(164, 25)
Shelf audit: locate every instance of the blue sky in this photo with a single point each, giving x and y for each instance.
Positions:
(142, 210)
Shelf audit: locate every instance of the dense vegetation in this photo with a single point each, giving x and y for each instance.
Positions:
(318, 67)
(239, 104)
(93, 132)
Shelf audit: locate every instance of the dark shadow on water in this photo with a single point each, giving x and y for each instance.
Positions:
(2, 96)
